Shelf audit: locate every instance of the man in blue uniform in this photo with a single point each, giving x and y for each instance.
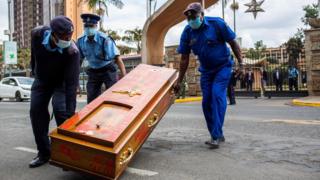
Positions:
(55, 63)
(293, 74)
(101, 52)
(207, 38)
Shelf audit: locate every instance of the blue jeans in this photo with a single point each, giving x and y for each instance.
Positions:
(214, 103)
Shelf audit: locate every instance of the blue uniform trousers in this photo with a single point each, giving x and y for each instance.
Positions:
(39, 113)
(214, 104)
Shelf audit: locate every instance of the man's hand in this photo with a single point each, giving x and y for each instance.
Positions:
(176, 88)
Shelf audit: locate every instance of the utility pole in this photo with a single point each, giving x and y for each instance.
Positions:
(151, 8)
(9, 19)
(148, 8)
(318, 8)
(223, 5)
(10, 28)
(50, 11)
(234, 16)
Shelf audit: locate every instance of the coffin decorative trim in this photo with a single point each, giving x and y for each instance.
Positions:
(130, 93)
(126, 156)
(153, 120)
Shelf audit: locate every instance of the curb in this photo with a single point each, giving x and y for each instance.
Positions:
(304, 103)
(192, 99)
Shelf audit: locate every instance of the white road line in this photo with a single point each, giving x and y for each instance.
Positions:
(291, 121)
(26, 149)
(140, 172)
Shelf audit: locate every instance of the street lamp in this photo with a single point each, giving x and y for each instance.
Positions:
(234, 6)
(9, 31)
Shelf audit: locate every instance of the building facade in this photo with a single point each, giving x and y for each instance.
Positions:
(28, 14)
(280, 55)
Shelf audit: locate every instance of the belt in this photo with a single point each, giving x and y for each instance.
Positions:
(105, 68)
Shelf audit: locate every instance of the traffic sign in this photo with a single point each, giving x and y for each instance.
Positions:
(10, 52)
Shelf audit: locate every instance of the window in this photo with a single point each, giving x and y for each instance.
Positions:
(6, 81)
(13, 82)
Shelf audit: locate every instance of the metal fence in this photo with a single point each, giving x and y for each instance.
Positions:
(272, 78)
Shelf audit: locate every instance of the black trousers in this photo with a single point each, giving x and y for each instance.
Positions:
(249, 85)
(231, 94)
(293, 82)
(39, 113)
(106, 75)
(278, 85)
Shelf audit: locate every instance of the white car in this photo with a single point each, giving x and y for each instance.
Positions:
(16, 87)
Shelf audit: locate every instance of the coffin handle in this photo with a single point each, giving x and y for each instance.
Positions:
(153, 120)
(126, 156)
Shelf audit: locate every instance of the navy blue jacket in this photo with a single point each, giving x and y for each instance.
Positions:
(55, 69)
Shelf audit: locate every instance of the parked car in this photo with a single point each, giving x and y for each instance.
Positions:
(16, 87)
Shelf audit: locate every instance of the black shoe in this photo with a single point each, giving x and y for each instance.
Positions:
(38, 161)
(222, 139)
(213, 143)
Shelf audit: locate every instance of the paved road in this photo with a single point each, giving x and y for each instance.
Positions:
(265, 139)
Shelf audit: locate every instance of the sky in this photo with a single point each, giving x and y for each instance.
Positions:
(275, 26)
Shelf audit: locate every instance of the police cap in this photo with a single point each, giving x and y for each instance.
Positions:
(90, 19)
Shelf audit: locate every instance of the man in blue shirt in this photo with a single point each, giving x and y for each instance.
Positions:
(207, 38)
(100, 51)
(293, 74)
(55, 64)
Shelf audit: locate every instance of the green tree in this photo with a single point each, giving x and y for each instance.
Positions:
(113, 34)
(133, 37)
(272, 60)
(294, 47)
(24, 56)
(124, 49)
(257, 51)
(103, 7)
(311, 11)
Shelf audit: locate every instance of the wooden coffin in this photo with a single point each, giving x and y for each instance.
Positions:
(104, 136)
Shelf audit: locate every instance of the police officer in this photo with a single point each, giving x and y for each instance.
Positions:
(100, 51)
(55, 64)
(207, 38)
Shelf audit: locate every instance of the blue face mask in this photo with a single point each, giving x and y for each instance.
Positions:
(195, 23)
(63, 44)
(89, 31)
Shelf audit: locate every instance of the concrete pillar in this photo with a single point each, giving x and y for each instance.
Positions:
(157, 26)
(312, 46)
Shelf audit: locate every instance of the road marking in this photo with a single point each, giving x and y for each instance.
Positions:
(140, 172)
(290, 121)
(26, 149)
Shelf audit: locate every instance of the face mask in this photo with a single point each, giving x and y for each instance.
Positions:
(195, 23)
(63, 44)
(90, 31)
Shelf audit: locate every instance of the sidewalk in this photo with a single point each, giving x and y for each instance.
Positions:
(312, 101)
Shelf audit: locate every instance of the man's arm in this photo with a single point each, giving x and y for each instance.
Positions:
(236, 50)
(32, 60)
(184, 63)
(80, 51)
(121, 66)
(72, 71)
